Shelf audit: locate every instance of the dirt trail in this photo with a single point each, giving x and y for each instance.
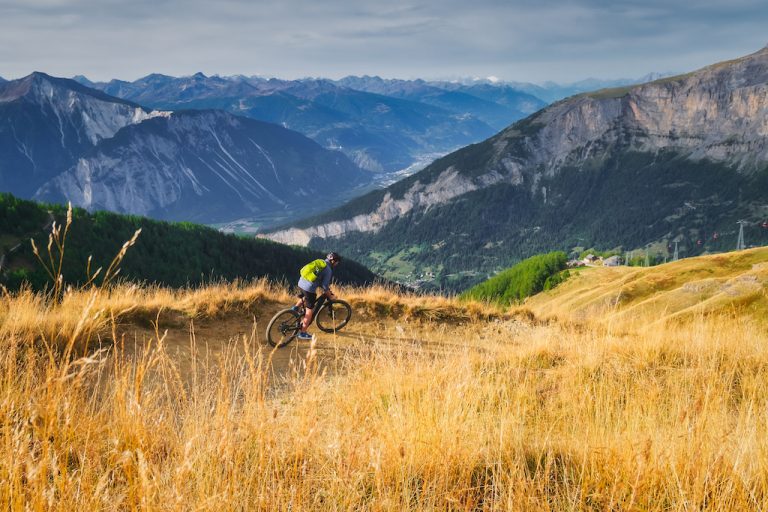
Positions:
(201, 343)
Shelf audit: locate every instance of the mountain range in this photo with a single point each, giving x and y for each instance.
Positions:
(60, 140)
(383, 126)
(143, 147)
(552, 91)
(679, 159)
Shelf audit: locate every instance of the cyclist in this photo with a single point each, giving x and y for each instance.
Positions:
(317, 273)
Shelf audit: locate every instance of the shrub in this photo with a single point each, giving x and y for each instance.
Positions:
(529, 277)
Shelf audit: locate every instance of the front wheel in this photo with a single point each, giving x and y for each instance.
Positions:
(334, 315)
(283, 327)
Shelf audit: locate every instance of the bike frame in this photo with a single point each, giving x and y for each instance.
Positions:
(318, 304)
(285, 325)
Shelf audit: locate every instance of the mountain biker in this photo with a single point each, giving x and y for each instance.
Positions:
(317, 273)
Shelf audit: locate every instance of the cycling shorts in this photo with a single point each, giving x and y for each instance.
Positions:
(309, 298)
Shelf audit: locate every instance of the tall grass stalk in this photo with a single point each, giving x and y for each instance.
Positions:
(54, 267)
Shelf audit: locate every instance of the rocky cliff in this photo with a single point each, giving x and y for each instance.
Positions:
(62, 141)
(203, 166)
(47, 122)
(719, 113)
(681, 139)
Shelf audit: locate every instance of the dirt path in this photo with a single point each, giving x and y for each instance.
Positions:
(204, 343)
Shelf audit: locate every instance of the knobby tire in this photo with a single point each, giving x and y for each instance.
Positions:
(334, 315)
(283, 328)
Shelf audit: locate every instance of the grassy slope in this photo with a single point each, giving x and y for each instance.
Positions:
(422, 403)
(735, 281)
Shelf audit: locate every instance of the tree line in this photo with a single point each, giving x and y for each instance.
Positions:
(169, 254)
(527, 278)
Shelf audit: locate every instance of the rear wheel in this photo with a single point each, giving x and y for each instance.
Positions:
(283, 327)
(334, 315)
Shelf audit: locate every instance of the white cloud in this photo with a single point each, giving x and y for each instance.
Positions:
(514, 40)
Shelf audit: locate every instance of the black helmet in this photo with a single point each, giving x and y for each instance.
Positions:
(333, 256)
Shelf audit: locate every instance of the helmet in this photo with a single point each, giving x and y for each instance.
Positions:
(333, 256)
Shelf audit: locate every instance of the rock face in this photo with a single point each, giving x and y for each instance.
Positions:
(450, 185)
(717, 113)
(61, 141)
(660, 136)
(47, 122)
(202, 166)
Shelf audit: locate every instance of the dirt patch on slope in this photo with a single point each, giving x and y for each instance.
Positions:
(202, 344)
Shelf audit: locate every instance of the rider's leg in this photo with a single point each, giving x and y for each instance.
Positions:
(307, 320)
(309, 299)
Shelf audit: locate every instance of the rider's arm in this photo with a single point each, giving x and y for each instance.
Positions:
(326, 284)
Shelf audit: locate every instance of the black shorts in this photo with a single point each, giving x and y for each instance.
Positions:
(309, 298)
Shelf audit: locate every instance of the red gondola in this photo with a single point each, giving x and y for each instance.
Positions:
(699, 242)
(765, 224)
(714, 236)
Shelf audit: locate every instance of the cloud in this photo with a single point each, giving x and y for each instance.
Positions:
(531, 40)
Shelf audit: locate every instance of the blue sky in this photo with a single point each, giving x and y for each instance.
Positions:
(523, 40)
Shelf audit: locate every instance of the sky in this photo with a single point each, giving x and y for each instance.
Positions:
(514, 40)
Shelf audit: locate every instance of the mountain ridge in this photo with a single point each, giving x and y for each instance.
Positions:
(33, 84)
(379, 132)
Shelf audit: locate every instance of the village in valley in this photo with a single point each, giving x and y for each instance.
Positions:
(590, 260)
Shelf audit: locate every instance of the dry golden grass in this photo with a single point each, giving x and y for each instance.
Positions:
(442, 406)
(88, 314)
(678, 291)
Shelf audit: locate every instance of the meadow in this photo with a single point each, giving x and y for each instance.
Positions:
(615, 391)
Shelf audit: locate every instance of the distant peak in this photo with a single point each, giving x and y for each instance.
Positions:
(38, 75)
(82, 80)
(154, 78)
(199, 75)
(37, 81)
(22, 87)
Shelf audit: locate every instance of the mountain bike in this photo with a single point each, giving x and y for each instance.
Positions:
(331, 316)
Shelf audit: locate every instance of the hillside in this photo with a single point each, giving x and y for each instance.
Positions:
(678, 159)
(734, 282)
(138, 397)
(171, 254)
(525, 279)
